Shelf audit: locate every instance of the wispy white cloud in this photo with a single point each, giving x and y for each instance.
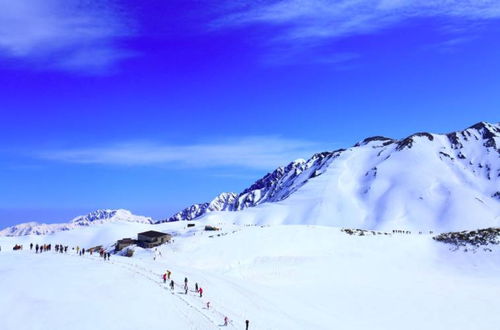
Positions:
(311, 53)
(260, 152)
(326, 19)
(450, 45)
(64, 34)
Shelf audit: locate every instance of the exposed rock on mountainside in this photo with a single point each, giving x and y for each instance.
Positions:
(471, 238)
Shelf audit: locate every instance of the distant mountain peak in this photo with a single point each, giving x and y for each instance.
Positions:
(485, 125)
(93, 218)
(109, 215)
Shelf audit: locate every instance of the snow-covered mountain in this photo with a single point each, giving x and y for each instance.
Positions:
(93, 218)
(429, 181)
(103, 216)
(223, 202)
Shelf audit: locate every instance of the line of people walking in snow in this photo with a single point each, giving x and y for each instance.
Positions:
(198, 289)
(408, 232)
(59, 248)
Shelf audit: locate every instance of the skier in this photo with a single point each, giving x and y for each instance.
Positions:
(31, 246)
(225, 320)
(168, 274)
(36, 248)
(165, 278)
(172, 285)
(196, 287)
(208, 304)
(201, 292)
(247, 323)
(109, 255)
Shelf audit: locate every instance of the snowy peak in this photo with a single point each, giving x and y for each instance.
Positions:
(34, 228)
(409, 141)
(93, 218)
(377, 140)
(223, 202)
(102, 216)
(488, 133)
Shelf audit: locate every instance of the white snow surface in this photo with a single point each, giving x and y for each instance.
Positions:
(278, 277)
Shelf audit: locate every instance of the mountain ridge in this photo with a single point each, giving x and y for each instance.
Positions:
(278, 185)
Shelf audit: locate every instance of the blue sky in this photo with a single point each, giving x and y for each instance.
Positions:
(153, 107)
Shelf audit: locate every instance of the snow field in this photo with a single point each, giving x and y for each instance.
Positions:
(278, 277)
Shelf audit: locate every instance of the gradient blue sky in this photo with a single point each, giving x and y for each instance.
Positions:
(154, 106)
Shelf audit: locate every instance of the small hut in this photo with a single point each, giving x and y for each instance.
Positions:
(151, 238)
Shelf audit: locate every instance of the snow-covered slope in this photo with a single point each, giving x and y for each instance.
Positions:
(425, 181)
(93, 218)
(278, 277)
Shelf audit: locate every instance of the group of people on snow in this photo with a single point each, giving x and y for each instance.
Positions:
(197, 288)
(59, 248)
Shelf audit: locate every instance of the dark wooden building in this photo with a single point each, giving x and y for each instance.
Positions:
(151, 238)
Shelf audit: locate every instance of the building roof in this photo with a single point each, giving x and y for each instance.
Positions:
(126, 240)
(153, 234)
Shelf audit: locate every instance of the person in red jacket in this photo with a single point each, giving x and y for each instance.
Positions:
(165, 278)
(201, 292)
